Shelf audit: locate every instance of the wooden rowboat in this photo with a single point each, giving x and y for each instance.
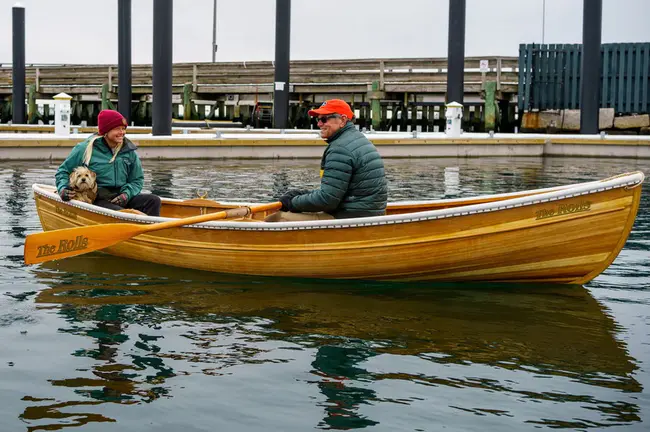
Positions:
(567, 234)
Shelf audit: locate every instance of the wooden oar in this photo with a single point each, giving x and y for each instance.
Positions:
(64, 243)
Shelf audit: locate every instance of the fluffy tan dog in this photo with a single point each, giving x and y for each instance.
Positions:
(82, 181)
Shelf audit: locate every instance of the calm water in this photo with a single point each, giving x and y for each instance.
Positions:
(97, 343)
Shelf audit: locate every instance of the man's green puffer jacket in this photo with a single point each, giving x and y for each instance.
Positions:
(353, 182)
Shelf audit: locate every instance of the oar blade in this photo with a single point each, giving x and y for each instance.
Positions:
(65, 243)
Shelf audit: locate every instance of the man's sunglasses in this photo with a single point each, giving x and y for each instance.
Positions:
(324, 119)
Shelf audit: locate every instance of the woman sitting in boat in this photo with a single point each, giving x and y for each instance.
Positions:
(353, 181)
(119, 171)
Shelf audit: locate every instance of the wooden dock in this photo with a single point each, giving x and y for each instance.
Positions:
(407, 90)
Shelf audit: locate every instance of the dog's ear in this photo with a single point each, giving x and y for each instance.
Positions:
(73, 177)
(93, 174)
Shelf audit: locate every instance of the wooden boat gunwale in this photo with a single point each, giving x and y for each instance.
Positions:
(532, 197)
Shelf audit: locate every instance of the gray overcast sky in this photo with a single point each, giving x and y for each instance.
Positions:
(85, 31)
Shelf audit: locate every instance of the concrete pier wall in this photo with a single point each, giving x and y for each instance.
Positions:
(307, 144)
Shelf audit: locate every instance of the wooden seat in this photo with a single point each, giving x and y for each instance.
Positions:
(132, 211)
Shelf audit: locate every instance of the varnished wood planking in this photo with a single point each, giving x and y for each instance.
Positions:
(507, 244)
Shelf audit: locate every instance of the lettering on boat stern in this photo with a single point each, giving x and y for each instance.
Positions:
(563, 209)
(79, 243)
(65, 212)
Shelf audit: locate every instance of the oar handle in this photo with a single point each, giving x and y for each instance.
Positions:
(236, 212)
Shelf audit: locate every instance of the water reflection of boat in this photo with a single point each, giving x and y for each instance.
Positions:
(568, 234)
(552, 325)
(552, 330)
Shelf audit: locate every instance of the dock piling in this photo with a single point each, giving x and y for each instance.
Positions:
(189, 110)
(456, 52)
(375, 105)
(124, 92)
(106, 97)
(162, 67)
(282, 57)
(490, 105)
(18, 64)
(32, 106)
(591, 66)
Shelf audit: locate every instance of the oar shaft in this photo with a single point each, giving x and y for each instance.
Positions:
(225, 214)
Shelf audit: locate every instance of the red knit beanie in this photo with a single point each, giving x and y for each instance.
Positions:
(109, 119)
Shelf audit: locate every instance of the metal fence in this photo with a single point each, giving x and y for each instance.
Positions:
(549, 77)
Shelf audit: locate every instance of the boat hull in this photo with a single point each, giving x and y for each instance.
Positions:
(566, 236)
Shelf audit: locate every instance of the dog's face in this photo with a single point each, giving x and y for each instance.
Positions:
(82, 179)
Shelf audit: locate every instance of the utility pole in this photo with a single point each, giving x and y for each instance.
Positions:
(214, 30)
